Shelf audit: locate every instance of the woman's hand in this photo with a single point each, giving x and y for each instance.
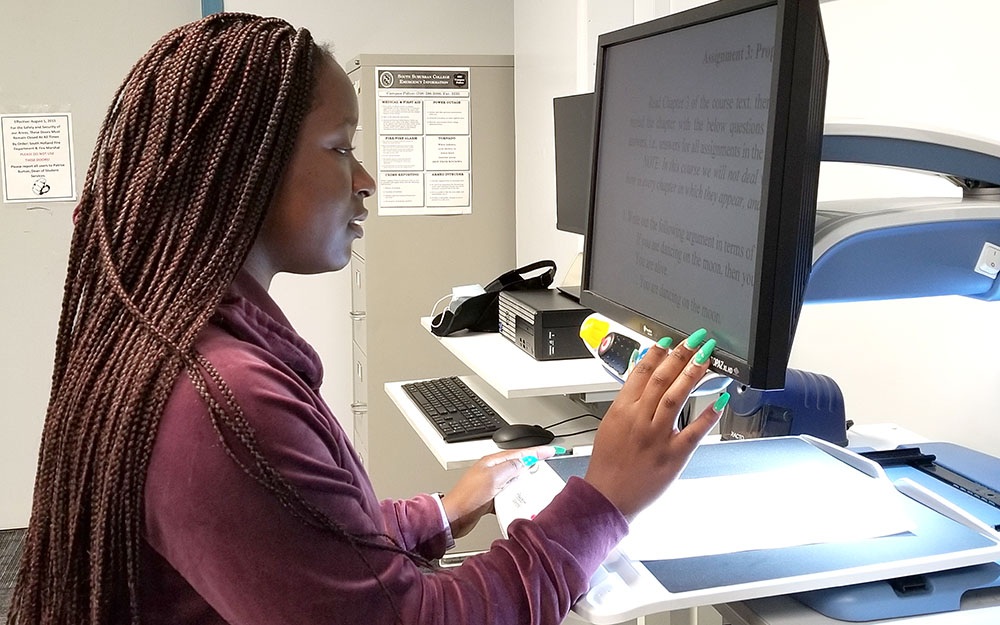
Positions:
(638, 450)
(473, 496)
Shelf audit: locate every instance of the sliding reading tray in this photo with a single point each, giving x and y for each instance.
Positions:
(942, 536)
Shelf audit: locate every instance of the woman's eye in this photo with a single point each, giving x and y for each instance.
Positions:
(343, 151)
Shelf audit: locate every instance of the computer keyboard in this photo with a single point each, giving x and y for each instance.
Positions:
(454, 409)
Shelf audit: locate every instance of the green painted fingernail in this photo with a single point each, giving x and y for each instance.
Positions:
(529, 460)
(665, 342)
(695, 339)
(721, 402)
(635, 354)
(560, 450)
(705, 352)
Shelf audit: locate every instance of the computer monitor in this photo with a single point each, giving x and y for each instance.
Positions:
(573, 121)
(707, 135)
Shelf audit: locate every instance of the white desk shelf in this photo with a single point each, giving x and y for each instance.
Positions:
(534, 410)
(515, 374)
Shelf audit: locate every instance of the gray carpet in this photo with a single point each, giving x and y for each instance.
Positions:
(11, 542)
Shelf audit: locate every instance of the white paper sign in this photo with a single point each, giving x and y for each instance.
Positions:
(447, 152)
(37, 158)
(447, 189)
(401, 190)
(400, 152)
(400, 116)
(424, 128)
(449, 116)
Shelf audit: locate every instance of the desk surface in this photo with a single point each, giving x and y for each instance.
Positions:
(977, 608)
(514, 373)
(627, 588)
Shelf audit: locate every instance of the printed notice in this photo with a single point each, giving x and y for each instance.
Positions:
(447, 188)
(402, 192)
(400, 152)
(447, 153)
(424, 140)
(37, 158)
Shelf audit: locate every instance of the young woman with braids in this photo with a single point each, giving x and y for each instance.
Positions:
(189, 470)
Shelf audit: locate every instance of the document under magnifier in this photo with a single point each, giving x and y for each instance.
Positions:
(672, 573)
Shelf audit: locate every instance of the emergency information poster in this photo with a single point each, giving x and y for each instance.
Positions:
(36, 157)
(424, 140)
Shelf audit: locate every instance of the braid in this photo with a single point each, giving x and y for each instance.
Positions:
(187, 161)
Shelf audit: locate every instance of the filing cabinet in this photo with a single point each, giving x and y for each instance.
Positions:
(405, 263)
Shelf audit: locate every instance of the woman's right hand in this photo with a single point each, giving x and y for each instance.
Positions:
(638, 449)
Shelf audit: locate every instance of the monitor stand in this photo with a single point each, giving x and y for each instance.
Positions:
(570, 286)
(571, 291)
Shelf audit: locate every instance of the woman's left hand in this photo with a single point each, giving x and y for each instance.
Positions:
(473, 496)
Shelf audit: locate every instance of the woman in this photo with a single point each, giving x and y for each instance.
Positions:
(189, 470)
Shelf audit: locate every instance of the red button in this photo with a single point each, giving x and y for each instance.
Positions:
(606, 343)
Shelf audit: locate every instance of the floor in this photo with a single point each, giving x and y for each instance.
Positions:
(11, 542)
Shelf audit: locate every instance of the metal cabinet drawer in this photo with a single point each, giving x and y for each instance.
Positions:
(360, 377)
(359, 327)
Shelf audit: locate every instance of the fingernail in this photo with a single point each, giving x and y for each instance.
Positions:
(665, 342)
(529, 460)
(704, 352)
(721, 402)
(635, 356)
(560, 451)
(695, 339)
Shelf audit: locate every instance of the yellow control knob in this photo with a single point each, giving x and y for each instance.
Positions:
(592, 331)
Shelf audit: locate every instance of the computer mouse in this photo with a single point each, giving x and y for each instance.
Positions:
(518, 435)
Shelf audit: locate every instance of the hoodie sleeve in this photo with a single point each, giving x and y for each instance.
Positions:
(253, 562)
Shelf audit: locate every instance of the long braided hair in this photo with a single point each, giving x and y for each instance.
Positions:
(187, 162)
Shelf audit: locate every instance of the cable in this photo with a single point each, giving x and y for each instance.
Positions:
(575, 433)
(552, 425)
(434, 307)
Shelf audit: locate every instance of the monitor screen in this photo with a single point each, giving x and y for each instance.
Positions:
(705, 167)
(573, 121)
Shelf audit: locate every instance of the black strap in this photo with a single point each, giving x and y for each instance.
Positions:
(481, 312)
(514, 276)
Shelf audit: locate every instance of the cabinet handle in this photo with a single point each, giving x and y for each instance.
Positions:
(359, 407)
(357, 315)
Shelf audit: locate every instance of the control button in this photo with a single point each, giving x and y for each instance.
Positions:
(989, 260)
(606, 343)
(593, 330)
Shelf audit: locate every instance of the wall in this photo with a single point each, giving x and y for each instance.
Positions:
(919, 363)
(318, 305)
(56, 57)
(72, 58)
(908, 60)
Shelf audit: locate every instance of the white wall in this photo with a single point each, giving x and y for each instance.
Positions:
(546, 35)
(54, 57)
(318, 305)
(920, 363)
(72, 56)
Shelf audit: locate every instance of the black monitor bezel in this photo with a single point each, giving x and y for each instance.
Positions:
(777, 295)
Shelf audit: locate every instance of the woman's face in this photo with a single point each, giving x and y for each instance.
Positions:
(316, 213)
